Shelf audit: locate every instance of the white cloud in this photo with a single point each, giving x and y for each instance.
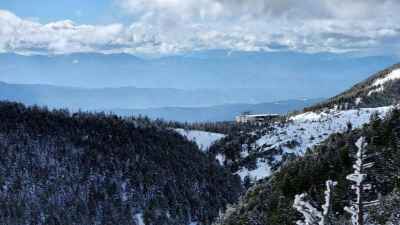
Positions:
(309, 25)
(172, 26)
(18, 35)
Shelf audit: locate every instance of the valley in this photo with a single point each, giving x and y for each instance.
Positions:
(210, 112)
(166, 172)
(318, 140)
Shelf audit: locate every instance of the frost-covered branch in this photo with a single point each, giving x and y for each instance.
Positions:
(356, 209)
(313, 216)
(328, 200)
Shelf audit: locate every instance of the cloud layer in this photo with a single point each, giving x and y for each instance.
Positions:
(173, 26)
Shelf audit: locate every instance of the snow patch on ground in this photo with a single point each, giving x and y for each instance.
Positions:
(306, 130)
(263, 170)
(376, 90)
(358, 101)
(202, 138)
(221, 159)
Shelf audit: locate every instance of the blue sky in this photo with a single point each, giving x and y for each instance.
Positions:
(167, 27)
(91, 11)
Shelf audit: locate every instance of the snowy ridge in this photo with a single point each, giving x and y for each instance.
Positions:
(378, 85)
(304, 131)
(203, 139)
(394, 75)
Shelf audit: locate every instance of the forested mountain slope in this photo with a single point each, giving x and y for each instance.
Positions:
(271, 201)
(57, 168)
(256, 153)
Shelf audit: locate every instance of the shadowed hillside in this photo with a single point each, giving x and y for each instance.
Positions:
(58, 168)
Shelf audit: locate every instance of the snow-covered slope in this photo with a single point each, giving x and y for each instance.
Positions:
(379, 84)
(304, 131)
(309, 129)
(202, 138)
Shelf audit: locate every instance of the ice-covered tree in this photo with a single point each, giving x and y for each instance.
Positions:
(327, 207)
(312, 215)
(358, 177)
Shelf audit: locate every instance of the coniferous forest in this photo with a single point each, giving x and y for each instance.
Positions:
(271, 201)
(61, 168)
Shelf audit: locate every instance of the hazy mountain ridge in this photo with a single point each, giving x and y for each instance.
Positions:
(124, 97)
(226, 112)
(169, 104)
(285, 75)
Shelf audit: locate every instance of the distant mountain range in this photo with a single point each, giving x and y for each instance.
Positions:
(125, 97)
(225, 112)
(272, 75)
(169, 104)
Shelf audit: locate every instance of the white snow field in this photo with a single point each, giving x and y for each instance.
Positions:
(203, 139)
(307, 130)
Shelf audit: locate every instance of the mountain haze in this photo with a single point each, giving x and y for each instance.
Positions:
(226, 112)
(169, 104)
(275, 75)
(125, 97)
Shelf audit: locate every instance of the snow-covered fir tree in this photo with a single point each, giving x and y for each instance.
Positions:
(312, 215)
(358, 177)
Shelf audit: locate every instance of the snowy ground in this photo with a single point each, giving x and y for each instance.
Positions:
(202, 138)
(263, 170)
(307, 130)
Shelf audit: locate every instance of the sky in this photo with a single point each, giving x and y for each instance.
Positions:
(168, 27)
